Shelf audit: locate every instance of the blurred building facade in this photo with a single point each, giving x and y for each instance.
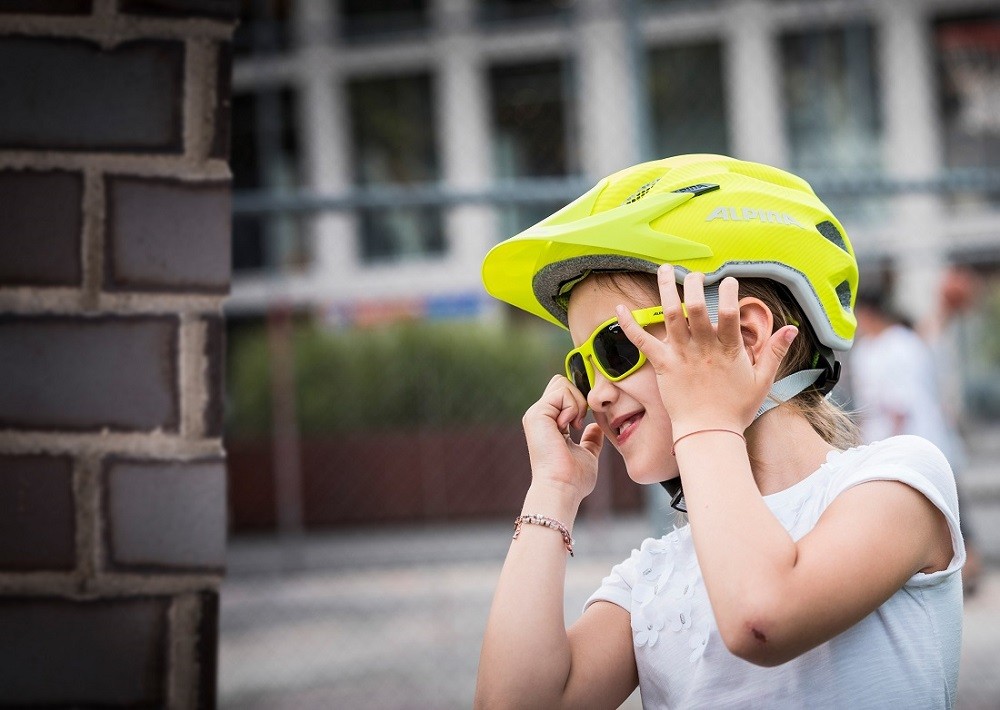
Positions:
(381, 148)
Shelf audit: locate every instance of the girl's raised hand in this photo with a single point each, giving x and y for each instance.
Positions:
(705, 373)
(555, 457)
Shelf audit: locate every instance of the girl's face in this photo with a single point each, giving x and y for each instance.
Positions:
(630, 411)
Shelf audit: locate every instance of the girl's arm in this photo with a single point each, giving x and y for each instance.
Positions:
(775, 598)
(528, 658)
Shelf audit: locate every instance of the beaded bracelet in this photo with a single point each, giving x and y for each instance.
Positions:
(547, 522)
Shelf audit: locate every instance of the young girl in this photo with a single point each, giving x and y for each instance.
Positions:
(705, 297)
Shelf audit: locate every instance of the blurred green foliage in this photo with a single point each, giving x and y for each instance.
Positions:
(401, 376)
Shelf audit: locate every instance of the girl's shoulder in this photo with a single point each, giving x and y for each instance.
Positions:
(915, 462)
(901, 450)
(909, 459)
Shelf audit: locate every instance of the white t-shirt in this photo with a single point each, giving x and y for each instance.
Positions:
(896, 372)
(903, 655)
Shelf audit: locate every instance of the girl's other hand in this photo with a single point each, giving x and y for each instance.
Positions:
(709, 375)
(555, 458)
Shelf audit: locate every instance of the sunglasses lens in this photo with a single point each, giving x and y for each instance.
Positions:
(577, 372)
(615, 352)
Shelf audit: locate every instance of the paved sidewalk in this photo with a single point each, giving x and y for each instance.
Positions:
(381, 618)
(979, 677)
(394, 618)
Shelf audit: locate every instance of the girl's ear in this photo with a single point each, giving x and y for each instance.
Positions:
(756, 324)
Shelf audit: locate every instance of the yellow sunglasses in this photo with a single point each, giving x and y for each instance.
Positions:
(610, 350)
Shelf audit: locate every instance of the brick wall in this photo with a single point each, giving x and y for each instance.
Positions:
(114, 260)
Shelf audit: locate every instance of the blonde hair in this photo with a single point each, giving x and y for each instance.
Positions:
(828, 420)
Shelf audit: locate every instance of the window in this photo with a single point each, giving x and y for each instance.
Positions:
(831, 96)
(263, 28)
(968, 53)
(532, 137)
(265, 157)
(393, 130)
(372, 19)
(500, 11)
(687, 102)
(686, 5)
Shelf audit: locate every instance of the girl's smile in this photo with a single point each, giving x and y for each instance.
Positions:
(624, 426)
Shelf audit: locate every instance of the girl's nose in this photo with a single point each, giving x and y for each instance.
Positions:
(602, 394)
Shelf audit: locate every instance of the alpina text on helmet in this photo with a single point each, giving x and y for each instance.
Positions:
(747, 214)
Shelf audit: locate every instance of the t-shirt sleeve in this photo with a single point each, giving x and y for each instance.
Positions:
(919, 464)
(617, 586)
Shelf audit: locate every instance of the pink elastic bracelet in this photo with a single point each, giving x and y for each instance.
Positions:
(673, 449)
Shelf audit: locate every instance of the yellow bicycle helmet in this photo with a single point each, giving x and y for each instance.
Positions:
(707, 213)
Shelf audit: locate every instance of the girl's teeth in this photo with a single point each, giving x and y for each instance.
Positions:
(625, 425)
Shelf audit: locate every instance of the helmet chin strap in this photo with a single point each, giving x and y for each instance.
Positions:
(787, 387)
(781, 391)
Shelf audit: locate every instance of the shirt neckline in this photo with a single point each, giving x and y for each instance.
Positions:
(793, 492)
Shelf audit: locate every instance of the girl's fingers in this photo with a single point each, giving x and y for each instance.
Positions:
(728, 326)
(775, 351)
(697, 313)
(569, 401)
(648, 345)
(592, 439)
(579, 404)
(634, 332)
(673, 312)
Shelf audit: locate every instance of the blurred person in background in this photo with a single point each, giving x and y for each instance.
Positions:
(896, 378)
(811, 572)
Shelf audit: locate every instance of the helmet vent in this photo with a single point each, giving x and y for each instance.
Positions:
(641, 192)
(829, 230)
(844, 293)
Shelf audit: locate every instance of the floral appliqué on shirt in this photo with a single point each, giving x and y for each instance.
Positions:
(663, 593)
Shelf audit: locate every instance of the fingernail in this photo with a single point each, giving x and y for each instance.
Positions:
(790, 335)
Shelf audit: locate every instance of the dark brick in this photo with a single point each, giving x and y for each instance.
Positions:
(89, 373)
(207, 649)
(167, 235)
(46, 7)
(223, 103)
(215, 354)
(40, 222)
(63, 94)
(57, 652)
(166, 514)
(217, 9)
(37, 520)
